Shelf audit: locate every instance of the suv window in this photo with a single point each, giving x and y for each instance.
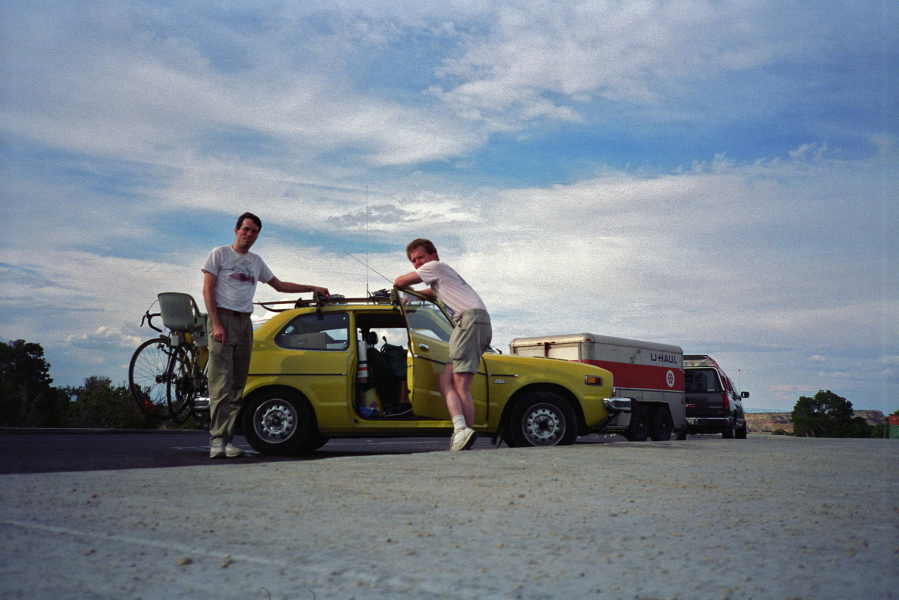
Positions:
(701, 380)
(320, 331)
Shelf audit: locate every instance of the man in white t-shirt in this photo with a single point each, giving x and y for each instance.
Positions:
(469, 340)
(230, 274)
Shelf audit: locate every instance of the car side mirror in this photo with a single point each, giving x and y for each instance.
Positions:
(744, 394)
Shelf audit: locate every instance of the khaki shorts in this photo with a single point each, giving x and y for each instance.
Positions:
(470, 338)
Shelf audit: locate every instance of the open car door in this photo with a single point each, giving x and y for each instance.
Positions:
(429, 334)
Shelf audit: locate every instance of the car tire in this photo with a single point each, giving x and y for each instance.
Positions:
(661, 426)
(542, 419)
(638, 430)
(277, 422)
(729, 432)
(313, 442)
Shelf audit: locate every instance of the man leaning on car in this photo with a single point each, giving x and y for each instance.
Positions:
(470, 338)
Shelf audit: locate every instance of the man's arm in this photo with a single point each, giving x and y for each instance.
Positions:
(212, 309)
(296, 288)
(405, 282)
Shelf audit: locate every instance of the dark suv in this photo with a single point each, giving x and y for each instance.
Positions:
(712, 402)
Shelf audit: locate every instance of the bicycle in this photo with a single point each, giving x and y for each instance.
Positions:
(167, 374)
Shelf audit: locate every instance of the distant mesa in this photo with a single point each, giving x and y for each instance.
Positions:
(772, 421)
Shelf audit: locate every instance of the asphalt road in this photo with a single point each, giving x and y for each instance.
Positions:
(35, 451)
(46, 451)
(768, 518)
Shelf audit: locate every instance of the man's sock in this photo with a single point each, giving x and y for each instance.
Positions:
(459, 422)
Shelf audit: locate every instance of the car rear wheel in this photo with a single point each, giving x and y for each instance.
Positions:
(277, 422)
(542, 419)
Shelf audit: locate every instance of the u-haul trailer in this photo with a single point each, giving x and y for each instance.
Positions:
(650, 374)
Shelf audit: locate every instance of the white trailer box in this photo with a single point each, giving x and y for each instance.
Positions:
(649, 373)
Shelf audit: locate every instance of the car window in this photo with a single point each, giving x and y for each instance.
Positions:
(317, 331)
(427, 319)
(701, 380)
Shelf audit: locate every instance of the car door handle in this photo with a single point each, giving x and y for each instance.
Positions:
(424, 347)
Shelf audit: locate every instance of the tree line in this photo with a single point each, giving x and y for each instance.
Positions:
(29, 399)
(828, 415)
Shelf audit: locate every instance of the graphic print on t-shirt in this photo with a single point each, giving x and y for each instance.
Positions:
(243, 271)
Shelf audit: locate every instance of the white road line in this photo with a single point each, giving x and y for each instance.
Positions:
(144, 542)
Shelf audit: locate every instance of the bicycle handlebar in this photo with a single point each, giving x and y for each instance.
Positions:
(148, 318)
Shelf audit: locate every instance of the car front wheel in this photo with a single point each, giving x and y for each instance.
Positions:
(542, 419)
(277, 422)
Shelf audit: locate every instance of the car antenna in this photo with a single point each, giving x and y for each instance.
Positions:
(369, 268)
(367, 243)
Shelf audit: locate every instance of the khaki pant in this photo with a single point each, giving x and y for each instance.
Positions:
(469, 340)
(229, 365)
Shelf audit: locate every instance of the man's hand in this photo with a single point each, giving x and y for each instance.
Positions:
(219, 334)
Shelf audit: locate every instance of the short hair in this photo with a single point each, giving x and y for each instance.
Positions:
(428, 245)
(250, 216)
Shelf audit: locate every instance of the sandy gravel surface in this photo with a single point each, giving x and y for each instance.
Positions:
(769, 518)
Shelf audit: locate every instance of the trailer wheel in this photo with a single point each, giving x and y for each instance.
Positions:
(638, 430)
(542, 419)
(661, 426)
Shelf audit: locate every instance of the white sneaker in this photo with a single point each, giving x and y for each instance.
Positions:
(463, 439)
(217, 449)
(232, 451)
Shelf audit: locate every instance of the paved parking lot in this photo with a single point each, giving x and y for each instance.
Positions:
(768, 517)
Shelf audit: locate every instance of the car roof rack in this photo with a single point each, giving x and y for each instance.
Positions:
(379, 297)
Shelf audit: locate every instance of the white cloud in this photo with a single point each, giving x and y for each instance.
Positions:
(623, 51)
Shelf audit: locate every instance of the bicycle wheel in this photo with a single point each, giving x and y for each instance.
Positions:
(185, 382)
(148, 377)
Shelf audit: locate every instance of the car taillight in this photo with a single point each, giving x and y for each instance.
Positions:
(726, 399)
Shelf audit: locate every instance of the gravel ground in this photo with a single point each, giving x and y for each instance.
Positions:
(770, 517)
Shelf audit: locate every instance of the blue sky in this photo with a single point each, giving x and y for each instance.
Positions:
(717, 175)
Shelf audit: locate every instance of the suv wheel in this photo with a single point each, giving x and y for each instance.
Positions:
(740, 431)
(729, 433)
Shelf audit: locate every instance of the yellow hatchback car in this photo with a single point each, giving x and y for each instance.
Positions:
(317, 373)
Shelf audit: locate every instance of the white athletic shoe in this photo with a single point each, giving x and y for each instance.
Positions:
(217, 449)
(463, 439)
(232, 451)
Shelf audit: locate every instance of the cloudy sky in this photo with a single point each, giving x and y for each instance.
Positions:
(719, 175)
